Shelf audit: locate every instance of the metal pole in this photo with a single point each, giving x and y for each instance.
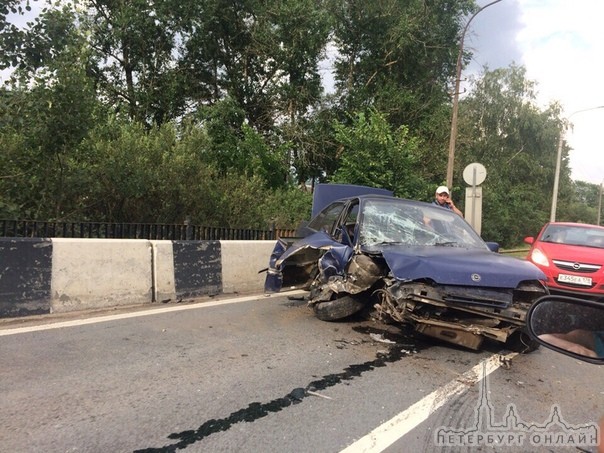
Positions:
(552, 217)
(600, 204)
(474, 197)
(453, 135)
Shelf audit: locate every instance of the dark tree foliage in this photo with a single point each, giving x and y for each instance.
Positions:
(397, 55)
(503, 129)
(10, 34)
(133, 43)
(374, 155)
(219, 111)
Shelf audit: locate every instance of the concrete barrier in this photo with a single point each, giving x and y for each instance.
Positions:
(241, 262)
(99, 273)
(58, 275)
(197, 268)
(163, 272)
(25, 276)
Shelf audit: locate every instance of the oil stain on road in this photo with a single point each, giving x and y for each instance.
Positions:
(254, 411)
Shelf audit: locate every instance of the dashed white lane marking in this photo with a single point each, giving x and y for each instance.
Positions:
(389, 432)
(150, 312)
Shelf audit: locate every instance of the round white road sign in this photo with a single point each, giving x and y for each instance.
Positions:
(474, 174)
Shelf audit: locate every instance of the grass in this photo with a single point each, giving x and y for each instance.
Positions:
(518, 253)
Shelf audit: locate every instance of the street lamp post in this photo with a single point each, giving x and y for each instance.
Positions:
(453, 135)
(552, 217)
(600, 204)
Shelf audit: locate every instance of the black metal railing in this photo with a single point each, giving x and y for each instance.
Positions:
(151, 231)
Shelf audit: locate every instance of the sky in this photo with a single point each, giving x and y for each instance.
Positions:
(561, 45)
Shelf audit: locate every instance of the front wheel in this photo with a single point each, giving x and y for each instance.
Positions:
(336, 309)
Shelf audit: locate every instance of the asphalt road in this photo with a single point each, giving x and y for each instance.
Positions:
(264, 375)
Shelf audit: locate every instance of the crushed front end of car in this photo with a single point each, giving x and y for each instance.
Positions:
(460, 315)
(460, 296)
(426, 292)
(410, 263)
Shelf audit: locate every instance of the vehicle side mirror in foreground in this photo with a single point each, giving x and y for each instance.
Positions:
(529, 240)
(571, 326)
(493, 246)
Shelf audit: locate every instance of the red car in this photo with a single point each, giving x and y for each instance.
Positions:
(572, 257)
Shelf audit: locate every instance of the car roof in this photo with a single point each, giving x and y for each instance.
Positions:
(325, 194)
(367, 197)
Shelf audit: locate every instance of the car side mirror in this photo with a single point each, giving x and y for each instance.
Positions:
(493, 246)
(529, 240)
(571, 326)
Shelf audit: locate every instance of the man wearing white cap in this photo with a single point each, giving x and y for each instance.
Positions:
(442, 198)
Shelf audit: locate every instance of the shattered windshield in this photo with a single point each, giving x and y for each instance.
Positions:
(399, 222)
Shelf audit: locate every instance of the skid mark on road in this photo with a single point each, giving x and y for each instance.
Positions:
(255, 411)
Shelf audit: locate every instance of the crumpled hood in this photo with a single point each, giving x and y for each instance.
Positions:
(459, 266)
(318, 240)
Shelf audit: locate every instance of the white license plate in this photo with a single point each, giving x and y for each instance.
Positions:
(574, 279)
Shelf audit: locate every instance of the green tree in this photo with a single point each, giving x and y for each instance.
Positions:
(235, 147)
(372, 154)
(11, 37)
(134, 44)
(213, 110)
(263, 55)
(586, 193)
(582, 205)
(46, 110)
(397, 55)
(502, 128)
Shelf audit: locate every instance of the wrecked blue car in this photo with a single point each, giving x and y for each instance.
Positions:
(409, 262)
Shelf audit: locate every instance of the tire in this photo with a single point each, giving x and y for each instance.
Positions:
(339, 308)
(520, 341)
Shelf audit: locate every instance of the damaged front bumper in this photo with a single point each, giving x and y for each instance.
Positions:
(460, 315)
(441, 312)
